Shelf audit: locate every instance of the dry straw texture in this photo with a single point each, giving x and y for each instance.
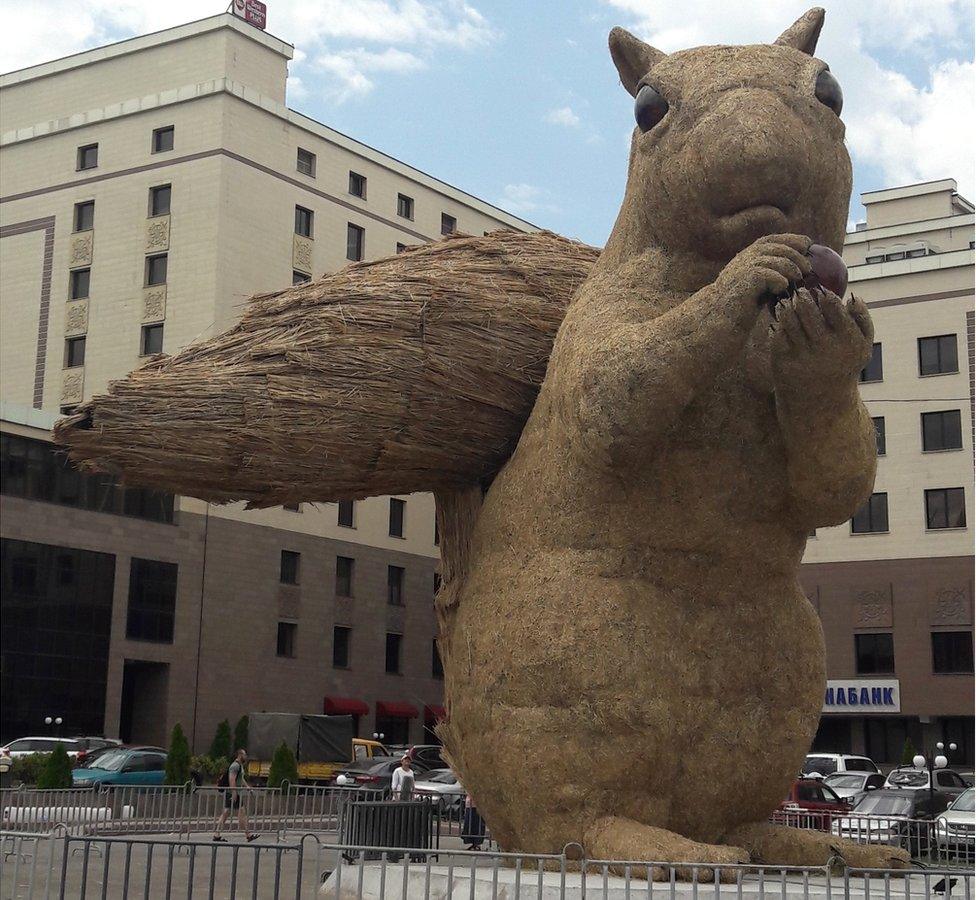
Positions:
(409, 373)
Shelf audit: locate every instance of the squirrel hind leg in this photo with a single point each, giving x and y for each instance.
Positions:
(615, 837)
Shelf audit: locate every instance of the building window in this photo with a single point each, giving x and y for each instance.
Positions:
(355, 241)
(347, 513)
(394, 585)
(152, 340)
(159, 199)
(357, 185)
(393, 642)
(85, 216)
(287, 632)
(306, 162)
(942, 430)
(874, 370)
(879, 434)
(437, 534)
(874, 653)
(938, 355)
(877, 258)
(162, 139)
(344, 572)
(404, 206)
(340, 647)
(448, 224)
(88, 156)
(292, 507)
(952, 652)
(396, 517)
(299, 277)
(288, 573)
(156, 267)
(303, 221)
(74, 352)
(79, 283)
(436, 666)
(895, 257)
(152, 601)
(945, 508)
(872, 517)
(400, 247)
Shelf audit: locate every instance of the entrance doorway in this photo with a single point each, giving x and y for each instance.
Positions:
(142, 718)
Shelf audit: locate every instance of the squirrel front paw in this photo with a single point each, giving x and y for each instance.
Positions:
(769, 267)
(816, 337)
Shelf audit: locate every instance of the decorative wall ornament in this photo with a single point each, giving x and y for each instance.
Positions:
(76, 318)
(301, 257)
(872, 608)
(154, 304)
(72, 386)
(951, 606)
(157, 234)
(80, 249)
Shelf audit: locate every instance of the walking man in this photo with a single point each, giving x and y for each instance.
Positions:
(403, 778)
(234, 783)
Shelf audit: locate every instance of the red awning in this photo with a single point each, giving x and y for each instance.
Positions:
(434, 713)
(396, 710)
(344, 706)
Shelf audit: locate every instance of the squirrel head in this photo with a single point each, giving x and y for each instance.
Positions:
(732, 143)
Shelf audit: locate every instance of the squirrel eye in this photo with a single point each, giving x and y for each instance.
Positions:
(828, 91)
(649, 108)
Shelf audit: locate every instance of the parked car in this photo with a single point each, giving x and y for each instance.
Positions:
(124, 765)
(822, 764)
(947, 781)
(902, 817)
(374, 774)
(955, 829)
(429, 754)
(94, 745)
(25, 746)
(811, 804)
(443, 786)
(969, 777)
(853, 785)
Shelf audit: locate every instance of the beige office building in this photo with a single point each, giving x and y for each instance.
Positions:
(147, 188)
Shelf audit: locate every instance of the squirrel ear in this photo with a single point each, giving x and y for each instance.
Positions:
(803, 33)
(632, 57)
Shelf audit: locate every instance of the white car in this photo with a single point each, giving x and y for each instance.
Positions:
(441, 785)
(947, 781)
(28, 745)
(823, 764)
(955, 829)
(852, 785)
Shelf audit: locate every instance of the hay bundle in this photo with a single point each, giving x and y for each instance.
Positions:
(415, 372)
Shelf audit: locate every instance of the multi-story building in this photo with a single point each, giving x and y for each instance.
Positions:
(147, 188)
(894, 586)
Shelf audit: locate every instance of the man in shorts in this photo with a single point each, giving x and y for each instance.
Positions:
(234, 783)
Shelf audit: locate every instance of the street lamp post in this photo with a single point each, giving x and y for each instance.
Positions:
(930, 764)
(56, 720)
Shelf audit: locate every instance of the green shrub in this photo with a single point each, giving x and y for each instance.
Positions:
(221, 742)
(27, 769)
(178, 758)
(283, 767)
(908, 752)
(240, 734)
(208, 767)
(56, 772)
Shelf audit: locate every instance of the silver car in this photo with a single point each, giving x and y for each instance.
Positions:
(854, 785)
(442, 786)
(955, 829)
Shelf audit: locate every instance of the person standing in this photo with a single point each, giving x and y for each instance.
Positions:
(234, 783)
(403, 779)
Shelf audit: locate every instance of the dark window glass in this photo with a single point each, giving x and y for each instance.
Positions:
(448, 224)
(88, 156)
(347, 513)
(436, 666)
(156, 267)
(874, 370)
(952, 651)
(879, 434)
(306, 162)
(299, 277)
(162, 139)
(74, 352)
(85, 215)
(344, 573)
(303, 221)
(877, 258)
(79, 284)
(159, 199)
(400, 247)
(404, 206)
(152, 600)
(396, 516)
(289, 567)
(393, 642)
(292, 507)
(355, 241)
(938, 355)
(152, 340)
(394, 585)
(357, 185)
(437, 534)
(942, 430)
(871, 517)
(945, 508)
(287, 632)
(340, 646)
(875, 653)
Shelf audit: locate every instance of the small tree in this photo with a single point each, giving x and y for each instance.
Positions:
(57, 770)
(221, 742)
(908, 752)
(283, 767)
(178, 758)
(240, 734)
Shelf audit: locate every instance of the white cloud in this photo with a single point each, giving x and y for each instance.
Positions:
(526, 198)
(350, 68)
(563, 115)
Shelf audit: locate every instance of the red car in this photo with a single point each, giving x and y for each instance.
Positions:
(810, 804)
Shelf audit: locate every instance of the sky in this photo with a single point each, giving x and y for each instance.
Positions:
(517, 101)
